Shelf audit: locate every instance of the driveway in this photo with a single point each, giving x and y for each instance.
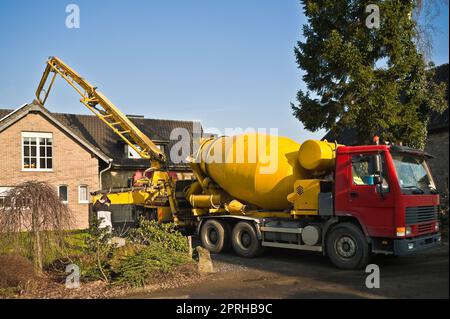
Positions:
(295, 274)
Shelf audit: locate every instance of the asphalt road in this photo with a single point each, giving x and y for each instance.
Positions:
(294, 274)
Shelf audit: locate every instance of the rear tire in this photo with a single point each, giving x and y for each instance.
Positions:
(347, 247)
(215, 236)
(245, 240)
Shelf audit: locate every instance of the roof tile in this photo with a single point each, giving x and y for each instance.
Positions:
(101, 136)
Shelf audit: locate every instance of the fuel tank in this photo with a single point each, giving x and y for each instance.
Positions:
(254, 168)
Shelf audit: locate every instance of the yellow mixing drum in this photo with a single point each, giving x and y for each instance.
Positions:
(255, 168)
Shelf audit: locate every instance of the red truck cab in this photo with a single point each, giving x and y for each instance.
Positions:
(391, 193)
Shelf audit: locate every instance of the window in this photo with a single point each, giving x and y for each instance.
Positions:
(131, 153)
(413, 174)
(363, 169)
(37, 151)
(63, 193)
(83, 197)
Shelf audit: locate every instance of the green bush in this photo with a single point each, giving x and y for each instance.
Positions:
(137, 269)
(98, 249)
(153, 249)
(150, 231)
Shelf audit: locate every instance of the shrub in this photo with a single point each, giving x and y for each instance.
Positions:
(94, 262)
(137, 269)
(153, 249)
(150, 231)
(123, 253)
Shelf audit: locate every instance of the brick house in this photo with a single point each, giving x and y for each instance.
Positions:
(77, 154)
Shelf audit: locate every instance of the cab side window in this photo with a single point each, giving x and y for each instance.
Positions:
(363, 169)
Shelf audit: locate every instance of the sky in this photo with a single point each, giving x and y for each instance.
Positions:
(226, 63)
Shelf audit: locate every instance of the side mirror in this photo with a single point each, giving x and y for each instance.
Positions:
(377, 165)
(378, 180)
(380, 188)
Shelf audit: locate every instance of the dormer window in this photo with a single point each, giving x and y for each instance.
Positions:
(131, 152)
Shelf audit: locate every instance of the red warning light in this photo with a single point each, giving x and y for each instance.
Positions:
(376, 140)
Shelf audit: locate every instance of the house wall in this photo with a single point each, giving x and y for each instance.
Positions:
(73, 165)
(437, 145)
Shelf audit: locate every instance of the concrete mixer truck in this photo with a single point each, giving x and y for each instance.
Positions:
(348, 202)
(253, 191)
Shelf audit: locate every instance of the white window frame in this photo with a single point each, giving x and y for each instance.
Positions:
(36, 135)
(67, 187)
(131, 153)
(82, 201)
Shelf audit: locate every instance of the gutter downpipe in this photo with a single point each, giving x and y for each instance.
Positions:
(104, 171)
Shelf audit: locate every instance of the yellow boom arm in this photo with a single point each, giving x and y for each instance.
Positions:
(102, 108)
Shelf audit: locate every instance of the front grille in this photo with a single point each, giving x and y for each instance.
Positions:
(425, 228)
(421, 214)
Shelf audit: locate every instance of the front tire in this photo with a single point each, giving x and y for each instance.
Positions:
(245, 240)
(215, 236)
(347, 247)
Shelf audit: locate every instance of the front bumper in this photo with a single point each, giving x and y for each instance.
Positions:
(412, 245)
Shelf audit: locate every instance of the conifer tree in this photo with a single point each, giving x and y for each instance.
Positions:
(364, 75)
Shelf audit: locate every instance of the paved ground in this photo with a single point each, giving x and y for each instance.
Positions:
(292, 274)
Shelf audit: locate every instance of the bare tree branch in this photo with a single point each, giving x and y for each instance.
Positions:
(425, 14)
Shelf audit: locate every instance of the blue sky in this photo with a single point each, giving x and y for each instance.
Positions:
(227, 63)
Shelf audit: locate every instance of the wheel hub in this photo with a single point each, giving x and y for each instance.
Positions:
(346, 247)
(246, 240)
(213, 236)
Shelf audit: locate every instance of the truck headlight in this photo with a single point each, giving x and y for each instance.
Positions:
(408, 231)
(400, 231)
(436, 226)
(411, 246)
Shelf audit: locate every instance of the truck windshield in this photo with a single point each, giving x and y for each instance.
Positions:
(413, 174)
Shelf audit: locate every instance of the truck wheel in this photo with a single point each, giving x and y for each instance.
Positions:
(347, 247)
(245, 240)
(215, 236)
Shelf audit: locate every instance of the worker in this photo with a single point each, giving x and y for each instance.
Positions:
(102, 209)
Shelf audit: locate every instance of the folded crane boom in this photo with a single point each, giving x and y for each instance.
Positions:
(106, 111)
(158, 188)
